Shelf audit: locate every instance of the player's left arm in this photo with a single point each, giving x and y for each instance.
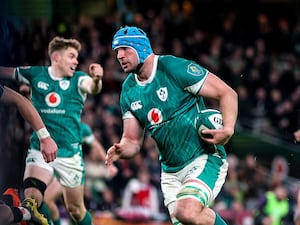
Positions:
(98, 153)
(97, 150)
(130, 143)
(217, 89)
(31, 115)
(93, 85)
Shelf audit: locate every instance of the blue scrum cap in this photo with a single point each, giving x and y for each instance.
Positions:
(135, 38)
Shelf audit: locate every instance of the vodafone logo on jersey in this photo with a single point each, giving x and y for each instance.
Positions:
(155, 116)
(53, 99)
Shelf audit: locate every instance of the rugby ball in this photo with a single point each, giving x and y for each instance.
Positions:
(210, 119)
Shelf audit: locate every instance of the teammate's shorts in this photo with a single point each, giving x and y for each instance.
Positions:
(202, 180)
(69, 171)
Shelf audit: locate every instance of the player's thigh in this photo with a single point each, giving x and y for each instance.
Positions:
(53, 191)
(170, 185)
(37, 168)
(201, 181)
(70, 171)
(178, 199)
(74, 197)
(203, 178)
(208, 178)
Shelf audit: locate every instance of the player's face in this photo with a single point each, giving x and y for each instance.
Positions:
(127, 58)
(68, 62)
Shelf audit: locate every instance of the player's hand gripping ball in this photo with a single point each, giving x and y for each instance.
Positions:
(209, 119)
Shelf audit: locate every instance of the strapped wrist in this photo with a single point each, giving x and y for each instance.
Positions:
(42, 133)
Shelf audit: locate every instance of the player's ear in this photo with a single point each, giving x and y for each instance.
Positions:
(55, 56)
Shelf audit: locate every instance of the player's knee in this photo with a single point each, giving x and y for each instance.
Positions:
(34, 188)
(32, 182)
(75, 212)
(183, 216)
(188, 213)
(182, 213)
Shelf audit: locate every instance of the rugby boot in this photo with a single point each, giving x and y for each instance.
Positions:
(36, 217)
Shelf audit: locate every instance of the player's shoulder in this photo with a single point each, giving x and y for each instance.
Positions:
(31, 72)
(79, 76)
(129, 82)
(170, 59)
(79, 73)
(166, 59)
(33, 69)
(171, 62)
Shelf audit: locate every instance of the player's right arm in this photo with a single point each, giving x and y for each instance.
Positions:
(130, 144)
(29, 113)
(215, 88)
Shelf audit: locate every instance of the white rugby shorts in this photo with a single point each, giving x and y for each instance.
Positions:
(69, 171)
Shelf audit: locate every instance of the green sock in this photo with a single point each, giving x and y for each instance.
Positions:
(219, 220)
(56, 222)
(87, 220)
(45, 211)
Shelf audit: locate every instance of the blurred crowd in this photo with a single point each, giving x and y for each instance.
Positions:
(258, 58)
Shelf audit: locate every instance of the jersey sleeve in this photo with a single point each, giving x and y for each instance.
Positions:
(87, 135)
(82, 77)
(186, 73)
(25, 74)
(125, 107)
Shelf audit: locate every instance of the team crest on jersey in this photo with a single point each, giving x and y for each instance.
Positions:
(162, 93)
(195, 69)
(64, 84)
(53, 99)
(155, 116)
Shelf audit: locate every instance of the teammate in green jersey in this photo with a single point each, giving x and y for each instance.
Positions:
(58, 92)
(16, 213)
(97, 155)
(163, 95)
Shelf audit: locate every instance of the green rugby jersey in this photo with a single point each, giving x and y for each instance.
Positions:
(87, 136)
(59, 102)
(167, 105)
